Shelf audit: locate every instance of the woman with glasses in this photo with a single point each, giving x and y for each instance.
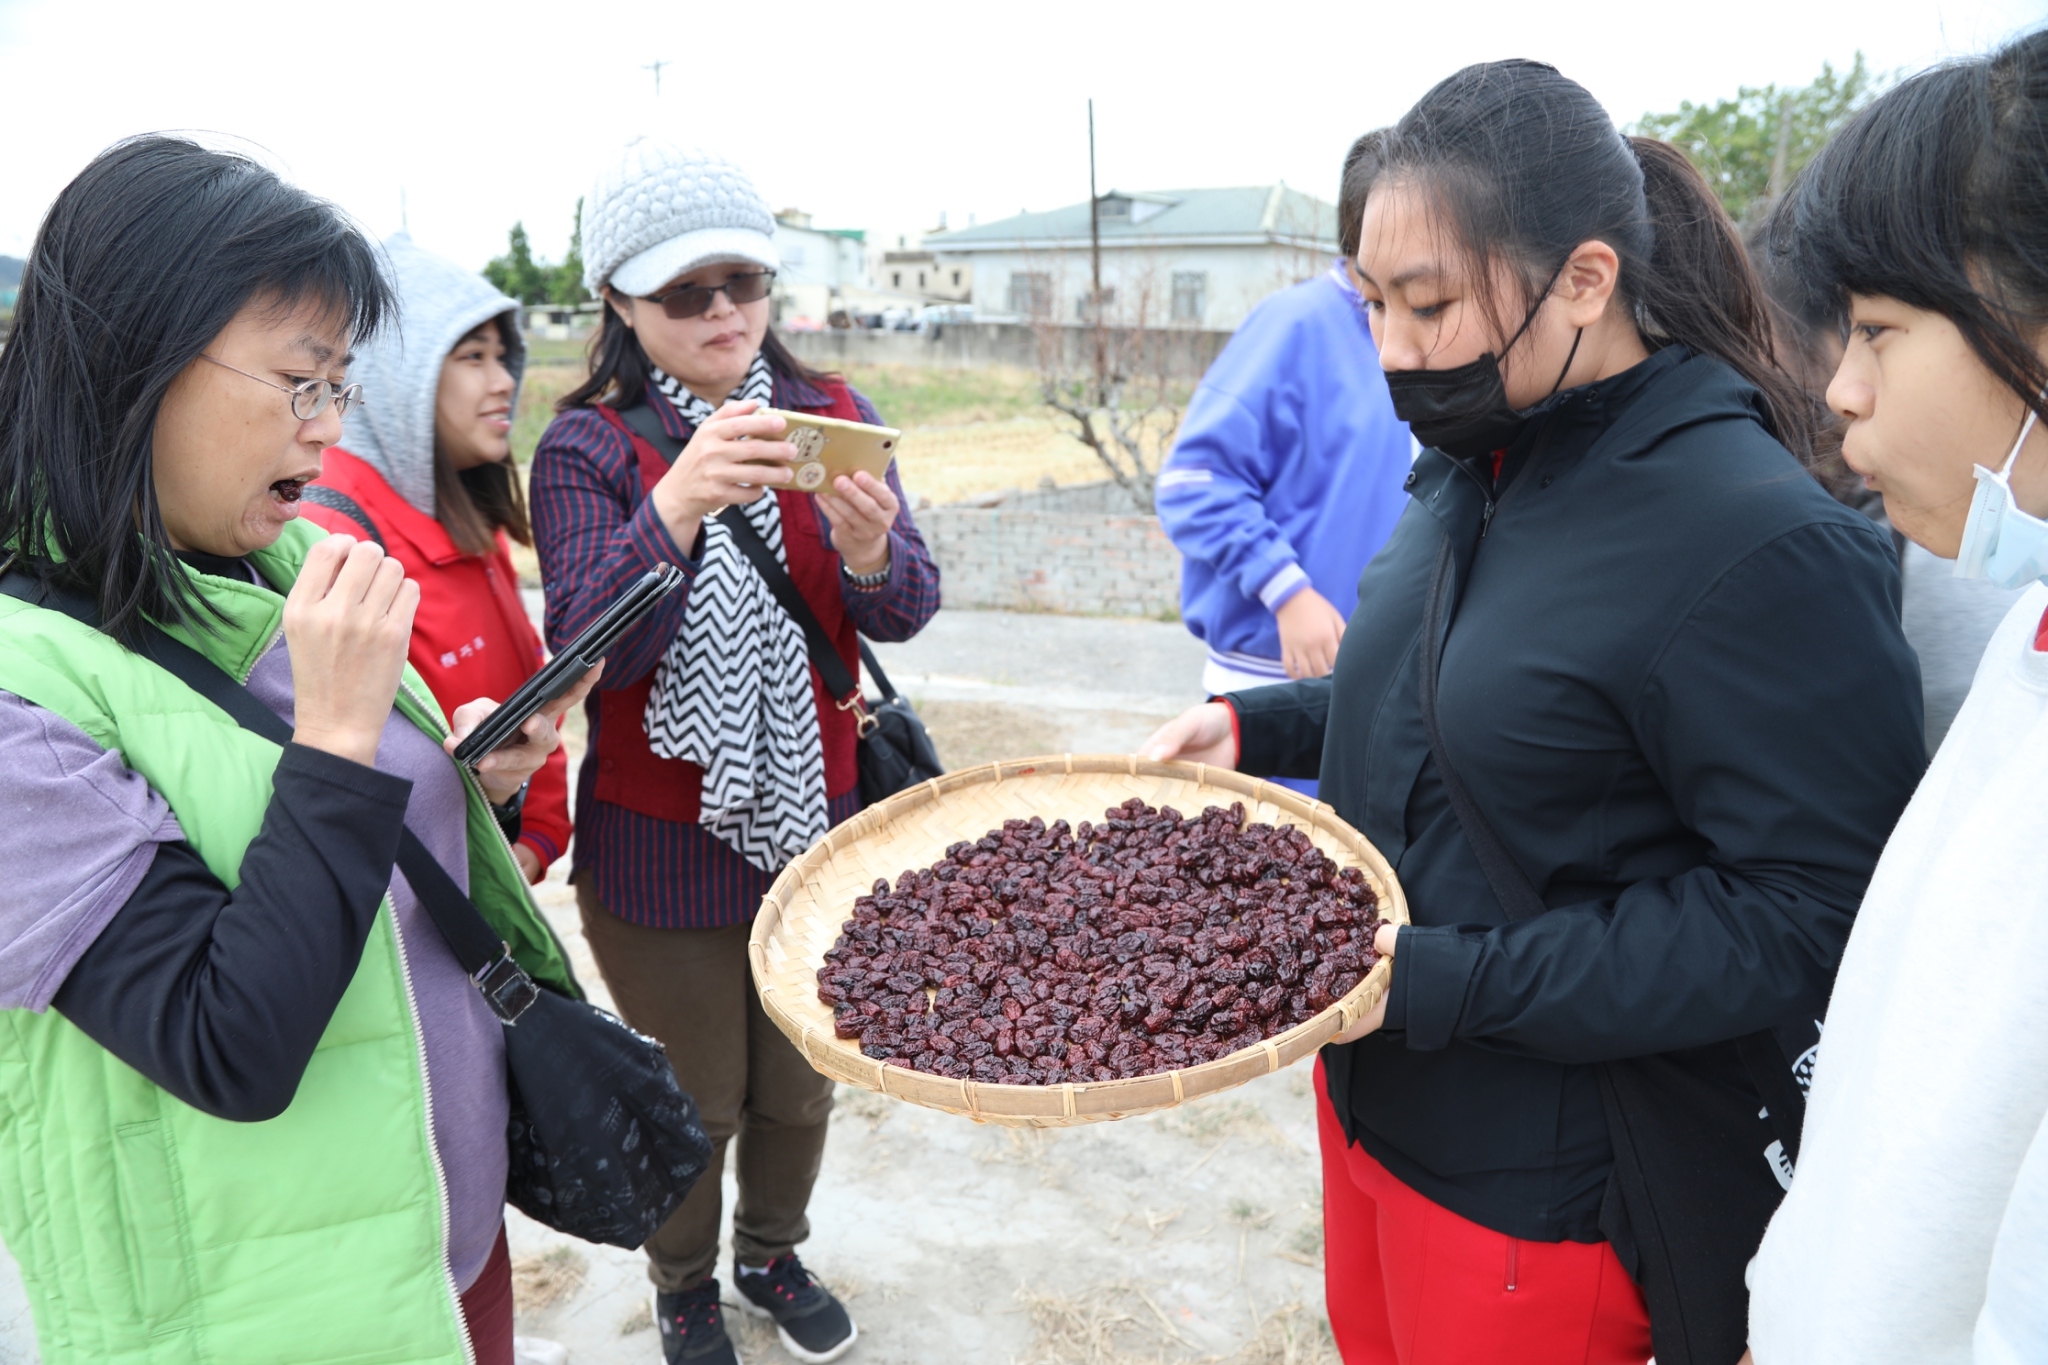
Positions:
(716, 753)
(251, 1106)
(427, 473)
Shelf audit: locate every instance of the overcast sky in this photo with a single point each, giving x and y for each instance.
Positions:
(466, 117)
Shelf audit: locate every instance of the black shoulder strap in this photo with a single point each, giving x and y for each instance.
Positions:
(470, 936)
(322, 496)
(647, 425)
(838, 681)
(1511, 886)
(867, 656)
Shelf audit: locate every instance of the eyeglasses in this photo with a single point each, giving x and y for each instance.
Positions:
(310, 397)
(692, 299)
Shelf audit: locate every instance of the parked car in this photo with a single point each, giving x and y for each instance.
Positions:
(936, 315)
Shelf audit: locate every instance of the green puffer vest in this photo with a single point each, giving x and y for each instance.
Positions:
(150, 1232)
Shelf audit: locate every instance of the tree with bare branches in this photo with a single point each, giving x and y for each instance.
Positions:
(1119, 378)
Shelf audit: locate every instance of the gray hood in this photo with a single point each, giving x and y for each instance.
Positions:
(400, 370)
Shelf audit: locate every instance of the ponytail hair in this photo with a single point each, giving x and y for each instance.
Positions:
(1523, 166)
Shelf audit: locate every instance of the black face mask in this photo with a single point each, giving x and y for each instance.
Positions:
(1464, 412)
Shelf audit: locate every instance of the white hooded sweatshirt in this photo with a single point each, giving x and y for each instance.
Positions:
(1916, 1229)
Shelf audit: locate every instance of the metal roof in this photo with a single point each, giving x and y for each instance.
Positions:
(1245, 213)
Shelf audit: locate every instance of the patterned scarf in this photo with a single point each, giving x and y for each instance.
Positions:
(733, 693)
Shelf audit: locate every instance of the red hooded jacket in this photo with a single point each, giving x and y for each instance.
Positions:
(471, 637)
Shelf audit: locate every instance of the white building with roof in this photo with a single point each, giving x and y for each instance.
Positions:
(823, 269)
(1190, 258)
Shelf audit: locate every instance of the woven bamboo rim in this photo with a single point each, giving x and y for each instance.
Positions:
(804, 911)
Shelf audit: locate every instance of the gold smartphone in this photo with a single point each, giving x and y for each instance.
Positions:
(827, 448)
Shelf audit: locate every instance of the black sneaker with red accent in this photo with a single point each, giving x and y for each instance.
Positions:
(813, 1325)
(693, 1327)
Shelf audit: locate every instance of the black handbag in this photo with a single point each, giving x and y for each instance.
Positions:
(1689, 1195)
(603, 1142)
(896, 751)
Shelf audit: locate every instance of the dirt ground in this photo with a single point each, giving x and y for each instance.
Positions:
(1192, 1235)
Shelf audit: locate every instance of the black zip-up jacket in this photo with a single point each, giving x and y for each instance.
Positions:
(1676, 686)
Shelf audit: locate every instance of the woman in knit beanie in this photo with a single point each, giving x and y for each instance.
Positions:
(716, 753)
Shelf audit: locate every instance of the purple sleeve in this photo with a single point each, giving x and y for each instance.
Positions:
(903, 606)
(596, 532)
(77, 831)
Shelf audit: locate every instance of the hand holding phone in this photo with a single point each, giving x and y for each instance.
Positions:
(505, 769)
(829, 449)
(731, 456)
(565, 671)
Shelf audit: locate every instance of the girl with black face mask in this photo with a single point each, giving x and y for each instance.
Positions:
(1627, 705)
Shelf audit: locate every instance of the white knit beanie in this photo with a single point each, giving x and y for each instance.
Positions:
(661, 210)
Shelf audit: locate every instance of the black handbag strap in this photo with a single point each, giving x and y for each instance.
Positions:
(838, 681)
(335, 501)
(867, 656)
(1511, 886)
(483, 955)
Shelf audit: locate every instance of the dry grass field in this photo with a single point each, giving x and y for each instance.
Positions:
(966, 433)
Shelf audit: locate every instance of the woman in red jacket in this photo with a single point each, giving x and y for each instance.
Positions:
(425, 470)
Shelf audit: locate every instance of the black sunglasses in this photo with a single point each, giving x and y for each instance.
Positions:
(692, 299)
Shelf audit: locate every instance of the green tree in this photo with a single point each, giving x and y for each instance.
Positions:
(1750, 147)
(565, 281)
(515, 273)
(518, 274)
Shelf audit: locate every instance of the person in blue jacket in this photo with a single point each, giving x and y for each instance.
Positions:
(1286, 478)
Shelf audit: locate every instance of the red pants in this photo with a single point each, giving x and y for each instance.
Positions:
(1411, 1283)
(487, 1307)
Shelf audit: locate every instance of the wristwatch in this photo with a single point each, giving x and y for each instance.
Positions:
(867, 582)
(508, 814)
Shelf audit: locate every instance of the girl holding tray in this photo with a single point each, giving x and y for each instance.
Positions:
(1627, 706)
(1918, 1227)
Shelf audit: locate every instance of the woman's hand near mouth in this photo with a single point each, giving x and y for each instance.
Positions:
(347, 622)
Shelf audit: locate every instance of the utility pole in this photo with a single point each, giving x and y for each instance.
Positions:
(1095, 268)
(656, 67)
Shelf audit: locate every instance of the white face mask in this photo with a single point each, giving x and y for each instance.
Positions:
(2002, 544)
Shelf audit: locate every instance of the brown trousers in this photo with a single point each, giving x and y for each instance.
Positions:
(693, 990)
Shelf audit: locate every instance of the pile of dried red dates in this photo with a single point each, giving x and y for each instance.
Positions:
(1039, 954)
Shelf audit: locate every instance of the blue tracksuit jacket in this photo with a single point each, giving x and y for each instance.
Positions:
(1287, 472)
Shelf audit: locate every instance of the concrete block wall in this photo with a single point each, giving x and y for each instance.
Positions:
(1021, 554)
(973, 345)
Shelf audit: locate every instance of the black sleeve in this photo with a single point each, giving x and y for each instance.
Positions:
(1785, 726)
(1280, 728)
(220, 996)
